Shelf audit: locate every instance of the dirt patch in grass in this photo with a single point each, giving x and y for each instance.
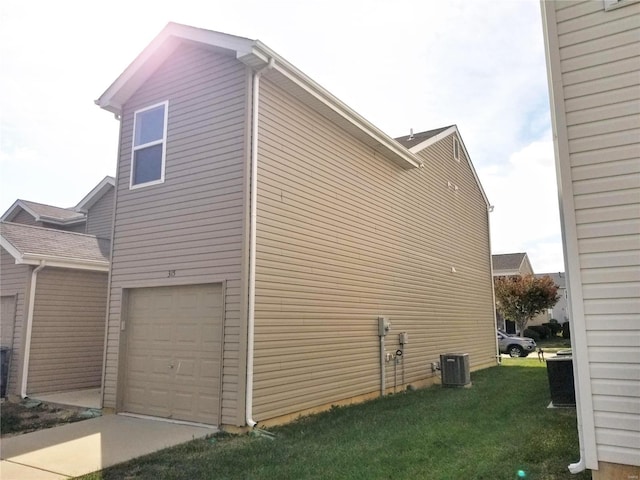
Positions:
(29, 416)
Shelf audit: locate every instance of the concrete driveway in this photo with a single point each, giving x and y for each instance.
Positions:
(83, 447)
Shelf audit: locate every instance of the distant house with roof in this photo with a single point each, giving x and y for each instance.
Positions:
(509, 265)
(92, 215)
(560, 310)
(53, 292)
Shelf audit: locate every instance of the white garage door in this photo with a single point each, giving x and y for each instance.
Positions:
(174, 351)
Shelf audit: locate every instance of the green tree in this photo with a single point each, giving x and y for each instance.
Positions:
(519, 299)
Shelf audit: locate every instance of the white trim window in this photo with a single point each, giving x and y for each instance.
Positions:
(456, 149)
(149, 145)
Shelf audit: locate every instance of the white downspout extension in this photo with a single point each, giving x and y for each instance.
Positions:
(383, 385)
(252, 242)
(29, 328)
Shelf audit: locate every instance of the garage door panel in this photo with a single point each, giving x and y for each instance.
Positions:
(172, 365)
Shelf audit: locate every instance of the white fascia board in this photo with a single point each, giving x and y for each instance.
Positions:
(11, 212)
(11, 250)
(449, 131)
(62, 262)
(95, 194)
(156, 52)
(436, 138)
(400, 155)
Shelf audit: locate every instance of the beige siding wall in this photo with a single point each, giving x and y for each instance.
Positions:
(345, 236)
(67, 340)
(14, 282)
(100, 216)
(599, 60)
(189, 229)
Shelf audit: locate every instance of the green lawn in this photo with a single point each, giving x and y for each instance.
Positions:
(490, 431)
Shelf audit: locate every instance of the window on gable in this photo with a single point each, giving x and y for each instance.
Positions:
(149, 142)
(456, 149)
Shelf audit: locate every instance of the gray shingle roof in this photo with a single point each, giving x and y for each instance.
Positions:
(54, 213)
(409, 141)
(46, 242)
(507, 261)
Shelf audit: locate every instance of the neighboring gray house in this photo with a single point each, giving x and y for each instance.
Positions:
(509, 265)
(560, 310)
(263, 228)
(53, 293)
(53, 288)
(91, 216)
(593, 62)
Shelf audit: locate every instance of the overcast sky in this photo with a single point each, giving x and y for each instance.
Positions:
(401, 64)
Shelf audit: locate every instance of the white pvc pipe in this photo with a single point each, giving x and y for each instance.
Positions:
(382, 367)
(29, 329)
(252, 243)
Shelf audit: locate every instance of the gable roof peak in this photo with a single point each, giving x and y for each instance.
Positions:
(255, 55)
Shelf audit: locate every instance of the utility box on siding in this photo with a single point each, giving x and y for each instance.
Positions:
(455, 369)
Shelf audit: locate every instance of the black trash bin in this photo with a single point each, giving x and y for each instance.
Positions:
(4, 370)
(560, 373)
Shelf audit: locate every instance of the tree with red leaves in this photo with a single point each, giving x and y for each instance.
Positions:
(520, 298)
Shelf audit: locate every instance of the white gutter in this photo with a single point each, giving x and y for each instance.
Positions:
(255, 100)
(29, 328)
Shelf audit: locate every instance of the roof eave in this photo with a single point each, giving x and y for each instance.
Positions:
(95, 194)
(256, 55)
(64, 262)
(377, 139)
(155, 53)
(26, 258)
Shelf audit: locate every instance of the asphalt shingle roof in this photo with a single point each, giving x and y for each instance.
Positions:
(37, 241)
(507, 261)
(55, 213)
(409, 141)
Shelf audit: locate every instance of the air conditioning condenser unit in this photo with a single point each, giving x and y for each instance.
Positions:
(455, 369)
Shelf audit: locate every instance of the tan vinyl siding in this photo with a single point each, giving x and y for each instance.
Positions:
(100, 215)
(189, 229)
(67, 341)
(345, 236)
(600, 56)
(25, 218)
(14, 282)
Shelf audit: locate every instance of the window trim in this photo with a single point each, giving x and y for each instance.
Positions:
(135, 148)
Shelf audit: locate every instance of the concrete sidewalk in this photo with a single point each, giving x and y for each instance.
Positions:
(87, 446)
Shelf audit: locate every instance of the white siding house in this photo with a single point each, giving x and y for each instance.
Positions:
(593, 62)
